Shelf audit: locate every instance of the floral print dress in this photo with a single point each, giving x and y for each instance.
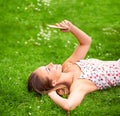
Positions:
(104, 74)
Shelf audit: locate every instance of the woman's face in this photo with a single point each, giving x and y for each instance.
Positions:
(50, 71)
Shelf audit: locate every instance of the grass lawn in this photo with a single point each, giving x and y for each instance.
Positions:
(26, 43)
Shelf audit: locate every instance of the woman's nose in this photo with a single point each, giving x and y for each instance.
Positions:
(50, 65)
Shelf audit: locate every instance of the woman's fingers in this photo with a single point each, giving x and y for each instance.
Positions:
(65, 24)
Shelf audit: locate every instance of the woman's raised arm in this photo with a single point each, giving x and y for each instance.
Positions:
(83, 39)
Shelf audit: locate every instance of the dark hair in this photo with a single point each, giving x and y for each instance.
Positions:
(38, 84)
(41, 85)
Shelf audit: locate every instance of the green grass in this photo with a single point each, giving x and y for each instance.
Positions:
(26, 43)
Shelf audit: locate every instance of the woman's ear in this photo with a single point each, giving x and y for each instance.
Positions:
(53, 83)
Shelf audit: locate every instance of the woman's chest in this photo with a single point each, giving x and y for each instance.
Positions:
(72, 68)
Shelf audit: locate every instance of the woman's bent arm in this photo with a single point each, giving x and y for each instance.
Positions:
(78, 91)
(71, 103)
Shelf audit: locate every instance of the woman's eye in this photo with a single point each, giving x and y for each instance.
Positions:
(48, 69)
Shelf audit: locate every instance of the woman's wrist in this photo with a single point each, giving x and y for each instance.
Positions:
(72, 27)
(50, 93)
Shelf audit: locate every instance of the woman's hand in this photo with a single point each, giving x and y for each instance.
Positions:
(61, 90)
(67, 25)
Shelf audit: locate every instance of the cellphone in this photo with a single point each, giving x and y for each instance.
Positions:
(54, 26)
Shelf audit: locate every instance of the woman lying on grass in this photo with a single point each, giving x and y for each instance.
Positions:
(76, 77)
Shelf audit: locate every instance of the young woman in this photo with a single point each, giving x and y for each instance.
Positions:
(76, 77)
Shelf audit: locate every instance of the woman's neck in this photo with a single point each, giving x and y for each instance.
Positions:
(66, 78)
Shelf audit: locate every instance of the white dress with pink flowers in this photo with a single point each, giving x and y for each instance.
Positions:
(104, 74)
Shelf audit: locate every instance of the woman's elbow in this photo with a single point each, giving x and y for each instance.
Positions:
(68, 107)
(89, 40)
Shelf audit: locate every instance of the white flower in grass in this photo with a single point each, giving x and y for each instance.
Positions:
(88, 57)
(29, 113)
(38, 0)
(18, 42)
(99, 54)
(54, 31)
(38, 38)
(16, 52)
(49, 46)
(38, 34)
(10, 78)
(68, 42)
(109, 30)
(18, 78)
(31, 40)
(46, 39)
(26, 8)
(30, 107)
(38, 107)
(107, 54)
(66, 46)
(37, 44)
(31, 5)
(49, 12)
(16, 18)
(75, 45)
(41, 101)
(37, 9)
(10, 68)
(39, 4)
(46, 2)
(26, 43)
(99, 44)
(44, 34)
(18, 7)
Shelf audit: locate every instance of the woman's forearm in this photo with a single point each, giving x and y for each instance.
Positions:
(81, 36)
(62, 102)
